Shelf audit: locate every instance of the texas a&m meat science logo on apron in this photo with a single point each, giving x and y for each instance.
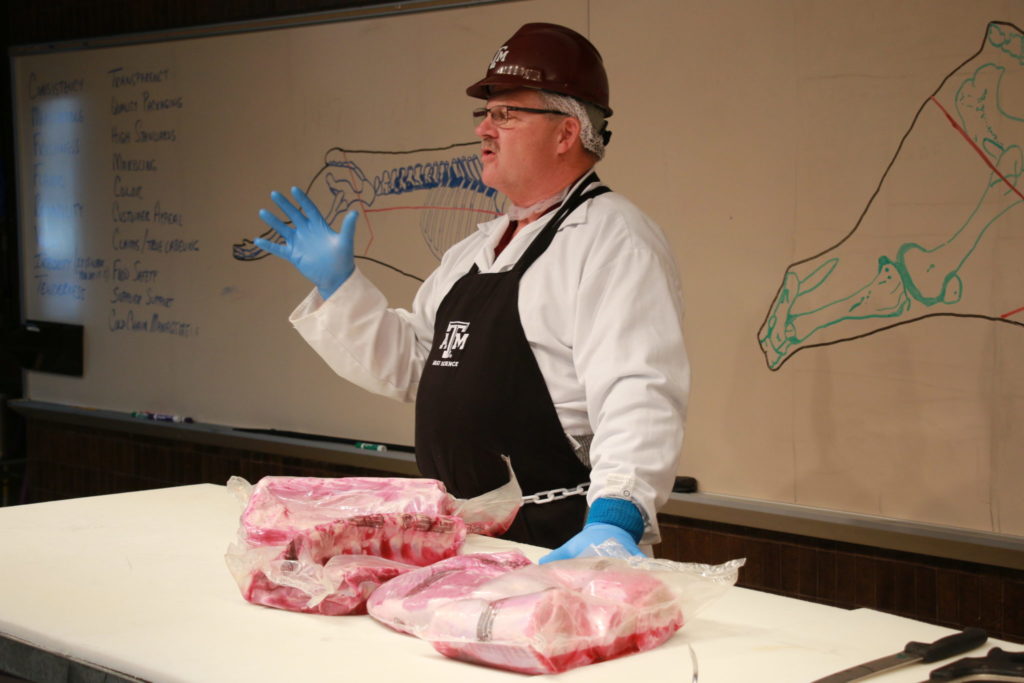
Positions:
(454, 341)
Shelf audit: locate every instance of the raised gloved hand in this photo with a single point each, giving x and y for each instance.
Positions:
(323, 256)
(608, 519)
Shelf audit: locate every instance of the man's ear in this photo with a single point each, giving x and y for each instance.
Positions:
(568, 134)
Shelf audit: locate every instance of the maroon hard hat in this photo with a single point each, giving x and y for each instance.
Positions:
(548, 57)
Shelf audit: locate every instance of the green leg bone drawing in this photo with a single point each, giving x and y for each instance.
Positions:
(817, 305)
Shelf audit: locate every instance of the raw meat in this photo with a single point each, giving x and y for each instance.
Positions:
(414, 539)
(334, 567)
(406, 603)
(279, 507)
(292, 527)
(342, 588)
(502, 611)
(556, 618)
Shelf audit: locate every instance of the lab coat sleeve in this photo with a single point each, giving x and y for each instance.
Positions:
(630, 356)
(378, 348)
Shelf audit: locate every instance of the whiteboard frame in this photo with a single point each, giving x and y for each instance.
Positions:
(245, 26)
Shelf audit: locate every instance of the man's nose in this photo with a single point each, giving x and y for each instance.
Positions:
(486, 128)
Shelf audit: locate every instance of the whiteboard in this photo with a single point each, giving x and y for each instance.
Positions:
(839, 181)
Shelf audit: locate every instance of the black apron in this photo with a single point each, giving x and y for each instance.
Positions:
(482, 395)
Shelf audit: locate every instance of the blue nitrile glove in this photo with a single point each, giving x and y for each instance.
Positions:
(323, 256)
(609, 518)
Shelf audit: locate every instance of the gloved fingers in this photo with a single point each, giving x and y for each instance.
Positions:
(307, 206)
(277, 225)
(634, 550)
(593, 534)
(290, 210)
(274, 248)
(348, 227)
(600, 532)
(560, 553)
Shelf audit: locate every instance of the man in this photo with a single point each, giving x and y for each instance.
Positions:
(552, 335)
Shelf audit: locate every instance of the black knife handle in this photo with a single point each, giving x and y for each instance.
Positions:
(944, 648)
(996, 662)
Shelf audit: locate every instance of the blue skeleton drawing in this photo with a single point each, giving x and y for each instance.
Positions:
(452, 197)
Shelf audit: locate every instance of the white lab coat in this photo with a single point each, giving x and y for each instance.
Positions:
(602, 309)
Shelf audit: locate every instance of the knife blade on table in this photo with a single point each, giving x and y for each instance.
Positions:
(914, 652)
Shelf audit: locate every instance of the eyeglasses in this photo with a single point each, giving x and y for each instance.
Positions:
(500, 114)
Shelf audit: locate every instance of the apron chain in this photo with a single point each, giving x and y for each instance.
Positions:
(542, 497)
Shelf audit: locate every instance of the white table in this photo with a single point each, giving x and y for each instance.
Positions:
(136, 583)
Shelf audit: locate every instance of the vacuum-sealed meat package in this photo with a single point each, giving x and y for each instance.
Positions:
(334, 567)
(549, 618)
(406, 603)
(341, 586)
(546, 619)
(413, 539)
(292, 527)
(276, 508)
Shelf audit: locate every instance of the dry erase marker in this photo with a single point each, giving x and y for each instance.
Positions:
(160, 417)
(371, 446)
(164, 417)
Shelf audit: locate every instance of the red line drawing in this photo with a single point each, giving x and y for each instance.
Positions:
(974, 145)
